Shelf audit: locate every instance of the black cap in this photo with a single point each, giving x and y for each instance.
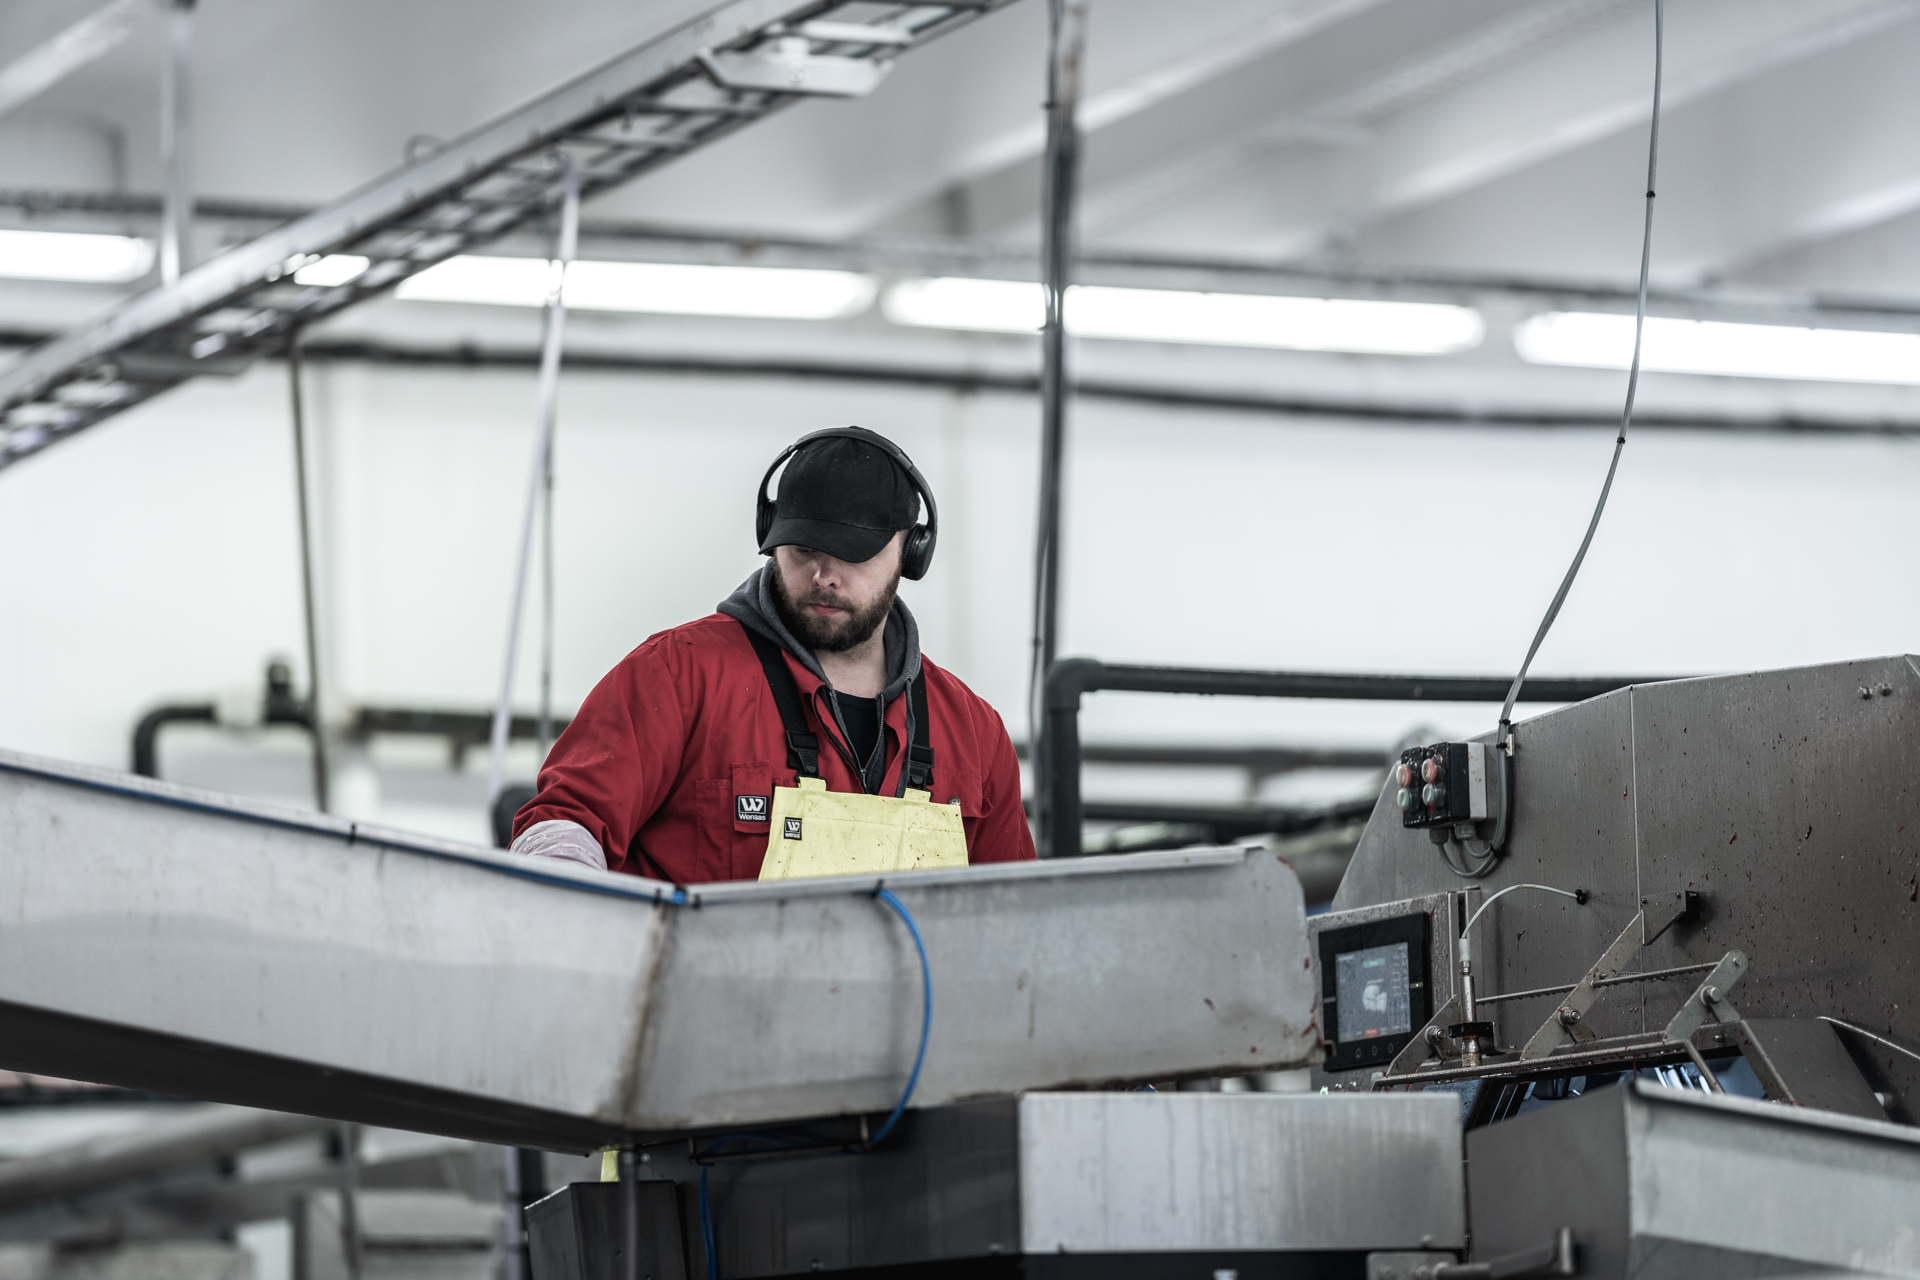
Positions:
(843, 496)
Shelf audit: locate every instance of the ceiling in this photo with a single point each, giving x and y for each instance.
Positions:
(1487, 135)
(1490, 141)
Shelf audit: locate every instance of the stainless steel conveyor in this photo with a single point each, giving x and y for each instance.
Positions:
(163, 938)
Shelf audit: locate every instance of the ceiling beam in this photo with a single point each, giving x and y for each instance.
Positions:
(1512, 96)
(44, 66)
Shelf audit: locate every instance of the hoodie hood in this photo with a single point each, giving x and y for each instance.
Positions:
(752, 606)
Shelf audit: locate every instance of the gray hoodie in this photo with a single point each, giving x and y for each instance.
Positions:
(752, 606)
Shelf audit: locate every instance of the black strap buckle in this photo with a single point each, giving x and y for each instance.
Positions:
(919, 767)
(803, 752)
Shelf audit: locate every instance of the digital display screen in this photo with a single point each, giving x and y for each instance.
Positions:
(1372, 992)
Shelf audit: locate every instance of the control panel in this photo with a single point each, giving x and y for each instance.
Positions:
(1375, 989)
(1444, 784)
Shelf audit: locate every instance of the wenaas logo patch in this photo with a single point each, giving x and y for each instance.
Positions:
(750, 808)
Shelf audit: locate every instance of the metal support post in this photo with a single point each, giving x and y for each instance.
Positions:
(300, 1238)
(176, 143)
(350, 1199)
(1066, 26)
(523, 1181)
(630, 1214)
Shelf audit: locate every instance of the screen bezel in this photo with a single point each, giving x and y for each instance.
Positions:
(1415, 929)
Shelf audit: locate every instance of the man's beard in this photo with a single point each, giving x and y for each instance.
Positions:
(831, 635)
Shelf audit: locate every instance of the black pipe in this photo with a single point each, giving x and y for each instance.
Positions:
(280, 707)
(462, 729)
(1070, 678)
(1229, 823)
(146, 734)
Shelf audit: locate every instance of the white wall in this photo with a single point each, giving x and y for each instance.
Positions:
(155, 557)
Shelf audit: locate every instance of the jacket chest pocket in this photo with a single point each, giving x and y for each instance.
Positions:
(749, 802)
(959, 785)
(962, 785)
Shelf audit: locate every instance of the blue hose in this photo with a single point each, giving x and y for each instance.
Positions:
(708, 1237)
(926, 1014)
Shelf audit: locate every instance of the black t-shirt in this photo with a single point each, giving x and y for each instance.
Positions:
(862, 718)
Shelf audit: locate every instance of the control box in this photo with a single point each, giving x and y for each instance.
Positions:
(1445, 784)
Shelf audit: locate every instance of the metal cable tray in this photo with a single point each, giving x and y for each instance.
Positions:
(677, 93)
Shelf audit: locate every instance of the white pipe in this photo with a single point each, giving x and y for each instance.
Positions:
(176, 139)
(548, 403)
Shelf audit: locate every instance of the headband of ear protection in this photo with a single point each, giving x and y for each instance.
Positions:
(916, 555)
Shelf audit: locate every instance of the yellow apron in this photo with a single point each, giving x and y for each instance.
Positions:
(817, 832)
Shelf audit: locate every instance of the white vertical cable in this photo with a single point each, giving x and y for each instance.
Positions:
(548, 403)
(1633, 382)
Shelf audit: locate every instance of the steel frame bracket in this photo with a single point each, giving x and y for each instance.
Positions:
(1683, 907)
(1708, 1003)
(1558, 1028)
(1423, 1046)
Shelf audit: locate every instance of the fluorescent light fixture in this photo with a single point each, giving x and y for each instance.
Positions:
(334, 269)
(776, 293)
(74, 256)
(954, 302)
(1173, 315)
(1720, 348)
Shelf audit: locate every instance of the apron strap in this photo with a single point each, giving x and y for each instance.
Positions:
(919, 754)
(803, 748)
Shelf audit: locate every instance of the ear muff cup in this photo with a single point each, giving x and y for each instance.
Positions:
(916, 553)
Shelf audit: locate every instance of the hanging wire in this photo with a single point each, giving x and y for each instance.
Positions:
(1505, 729)
(539, 478)
(316, 727)
(543, 733)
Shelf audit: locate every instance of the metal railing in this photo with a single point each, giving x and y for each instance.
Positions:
(1057, 788)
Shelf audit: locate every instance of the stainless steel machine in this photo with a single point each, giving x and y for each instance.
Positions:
(1702, 878)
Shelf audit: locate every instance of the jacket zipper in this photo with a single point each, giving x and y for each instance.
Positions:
(846, 751)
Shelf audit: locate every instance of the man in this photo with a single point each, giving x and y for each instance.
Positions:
(682, 760)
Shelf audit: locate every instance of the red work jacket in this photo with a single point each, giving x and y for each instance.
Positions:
(681, 745)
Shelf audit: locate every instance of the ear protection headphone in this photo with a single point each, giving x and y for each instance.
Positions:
(916, 555)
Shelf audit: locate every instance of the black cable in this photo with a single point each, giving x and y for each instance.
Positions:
(1501, 735)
